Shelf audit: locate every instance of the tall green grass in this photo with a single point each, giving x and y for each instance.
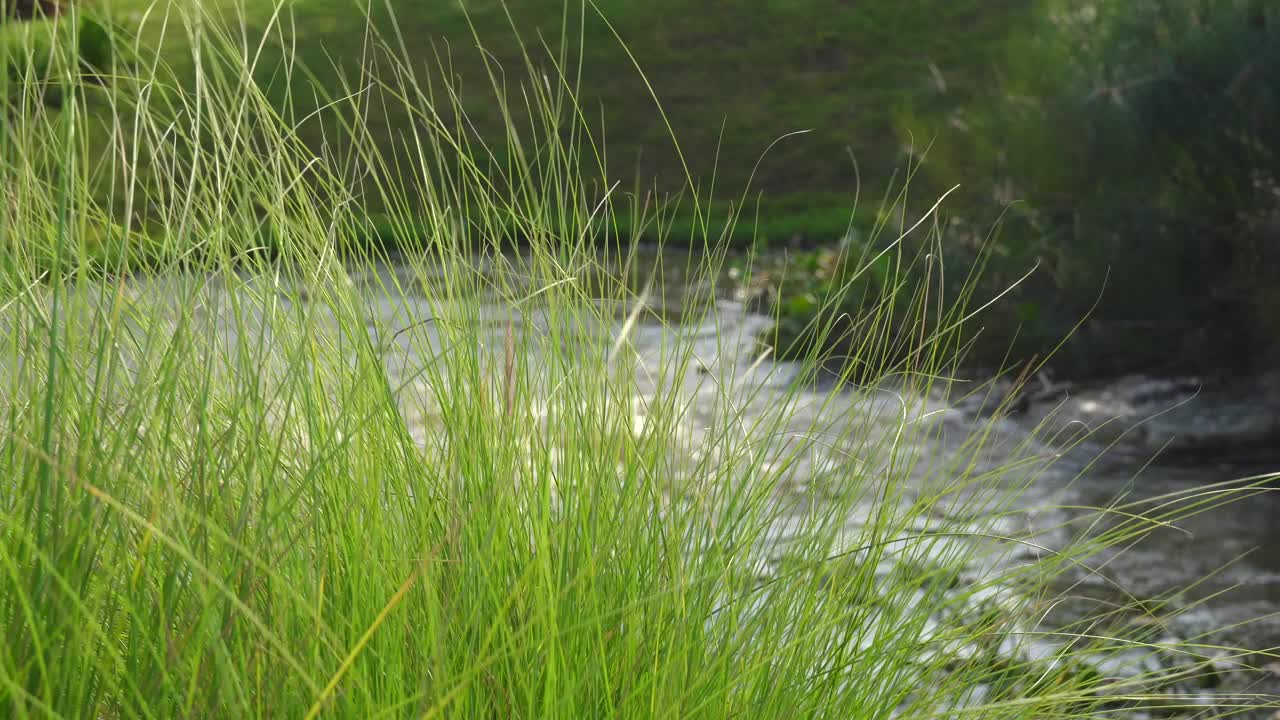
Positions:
(248, 472)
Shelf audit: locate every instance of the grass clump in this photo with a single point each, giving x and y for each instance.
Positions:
(268, 478)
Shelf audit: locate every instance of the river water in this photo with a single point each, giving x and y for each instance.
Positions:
(1237, 546)
(1221, 567)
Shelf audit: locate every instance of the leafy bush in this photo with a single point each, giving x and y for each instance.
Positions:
(1141, 136)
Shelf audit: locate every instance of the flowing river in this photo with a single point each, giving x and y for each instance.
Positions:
(1227, 558)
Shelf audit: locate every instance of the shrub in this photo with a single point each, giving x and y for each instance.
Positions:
(1138, 137)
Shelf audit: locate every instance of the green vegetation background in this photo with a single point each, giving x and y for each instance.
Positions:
(1125, 149)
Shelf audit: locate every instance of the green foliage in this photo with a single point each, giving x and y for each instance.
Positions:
(96, 46)
(821, 295)
(1140, 138)
(81, 48)
(859, 310)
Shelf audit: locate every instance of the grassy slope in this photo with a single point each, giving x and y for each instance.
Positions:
(732, 77)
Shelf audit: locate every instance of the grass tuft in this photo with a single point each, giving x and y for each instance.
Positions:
(255, 467)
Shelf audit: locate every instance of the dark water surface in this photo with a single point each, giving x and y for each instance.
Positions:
(1232, 551)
